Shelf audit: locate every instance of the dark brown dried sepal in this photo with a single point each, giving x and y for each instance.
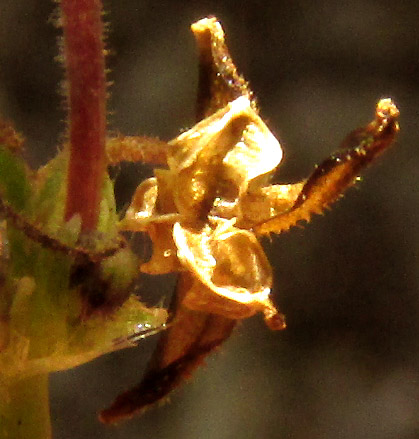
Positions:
(340, 171)
(219, 81)
(191, 336)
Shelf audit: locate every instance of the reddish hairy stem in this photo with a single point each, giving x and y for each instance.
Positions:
(85, 66)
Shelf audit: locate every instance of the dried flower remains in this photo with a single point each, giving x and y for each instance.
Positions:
(206, 209)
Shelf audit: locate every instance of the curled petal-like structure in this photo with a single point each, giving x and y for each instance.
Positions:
(215, 162)
(233, 275)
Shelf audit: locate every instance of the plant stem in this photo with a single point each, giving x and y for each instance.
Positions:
(85, 66)
(24, 409)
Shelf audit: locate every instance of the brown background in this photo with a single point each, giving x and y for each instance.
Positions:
(347, 366)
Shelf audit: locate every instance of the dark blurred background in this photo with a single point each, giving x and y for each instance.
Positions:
(348, 364)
